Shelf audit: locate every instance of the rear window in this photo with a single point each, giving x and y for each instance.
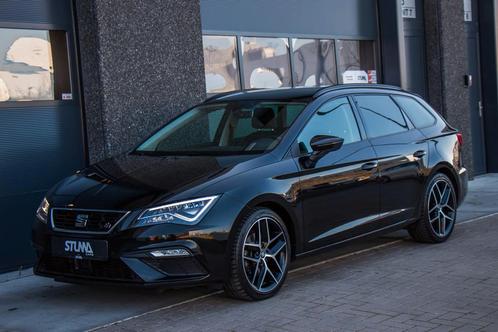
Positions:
(417, 113)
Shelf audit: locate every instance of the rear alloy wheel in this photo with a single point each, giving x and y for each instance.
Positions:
(439, 215)
(260, 256)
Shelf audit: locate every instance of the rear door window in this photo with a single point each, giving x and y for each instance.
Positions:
(417, 113)
(381, 115)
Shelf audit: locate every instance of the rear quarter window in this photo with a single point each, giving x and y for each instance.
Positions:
(381, 115)
(418, 114)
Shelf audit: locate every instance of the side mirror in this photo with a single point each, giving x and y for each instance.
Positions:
(321, 145)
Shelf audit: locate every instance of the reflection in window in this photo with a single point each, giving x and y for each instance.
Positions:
(381, 115)
(220, 54)
(314, 62)
(266, 62)
(417, 113)
(356, 61)
(334, 118)
(33, 65)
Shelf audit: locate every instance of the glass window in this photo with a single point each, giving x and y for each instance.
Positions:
(314, 62)
(33, 65)
(335, 118)
(266, 62)
(381, 115)
(417, 113)
(220, 63)
(356, 61)
(242, 127)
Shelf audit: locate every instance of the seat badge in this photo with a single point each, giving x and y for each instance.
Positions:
(81, 220)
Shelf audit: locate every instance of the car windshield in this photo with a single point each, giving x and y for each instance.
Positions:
(242, 127)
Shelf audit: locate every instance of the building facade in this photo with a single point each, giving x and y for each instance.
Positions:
(84, 80)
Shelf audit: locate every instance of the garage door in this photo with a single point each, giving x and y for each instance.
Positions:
(41, 137)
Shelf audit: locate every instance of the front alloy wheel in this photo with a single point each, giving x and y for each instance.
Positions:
(260, 256)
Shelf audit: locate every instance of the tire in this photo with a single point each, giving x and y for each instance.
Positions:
(438, 213)
(258, 271)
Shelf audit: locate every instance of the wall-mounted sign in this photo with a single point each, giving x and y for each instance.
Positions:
(408, 9)
(67, 96)
(467, 10)
(355, 76)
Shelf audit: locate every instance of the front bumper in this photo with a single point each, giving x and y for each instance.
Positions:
(129, 258)
(134, 267)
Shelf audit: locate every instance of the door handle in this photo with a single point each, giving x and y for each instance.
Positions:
(370, 166)
(419, 154)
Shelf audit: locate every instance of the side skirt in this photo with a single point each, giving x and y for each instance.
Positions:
(380, 231)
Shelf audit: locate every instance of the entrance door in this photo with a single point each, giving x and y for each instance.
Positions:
(476, 111)
(41, 137)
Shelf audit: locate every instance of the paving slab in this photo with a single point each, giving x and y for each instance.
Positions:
(407, 286)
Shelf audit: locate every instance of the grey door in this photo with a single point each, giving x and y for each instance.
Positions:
(41, 137)
(476, 111)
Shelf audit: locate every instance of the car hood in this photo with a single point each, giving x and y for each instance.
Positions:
(133, 181)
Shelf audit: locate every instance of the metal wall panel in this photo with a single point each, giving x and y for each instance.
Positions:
(355, 19)
(40, 142)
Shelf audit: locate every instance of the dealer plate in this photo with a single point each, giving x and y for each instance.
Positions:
(80, 248)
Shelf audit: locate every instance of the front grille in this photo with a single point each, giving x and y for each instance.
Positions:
(85, 220)
(112, 270)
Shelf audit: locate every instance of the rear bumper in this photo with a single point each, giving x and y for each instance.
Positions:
(463, 183)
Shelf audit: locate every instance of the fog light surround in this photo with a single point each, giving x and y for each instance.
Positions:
(177, 252)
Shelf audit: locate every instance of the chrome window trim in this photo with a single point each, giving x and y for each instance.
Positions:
(126, 213)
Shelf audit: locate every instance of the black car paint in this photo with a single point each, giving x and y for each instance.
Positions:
(344, 196)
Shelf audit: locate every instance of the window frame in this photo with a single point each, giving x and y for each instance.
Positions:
(237, 58)
(408, 122)
(15, 104)
(358, 121)
(240, 58)
(293, 64)
(290, 36)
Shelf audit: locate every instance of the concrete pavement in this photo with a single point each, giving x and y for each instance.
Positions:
(406, 286)
(31, 303)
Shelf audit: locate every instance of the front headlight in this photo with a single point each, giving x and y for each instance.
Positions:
(186, 213)
(42, 211)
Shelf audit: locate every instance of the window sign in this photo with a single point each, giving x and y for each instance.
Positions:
(356, 61)
(408, 9)
(354, 76)
(467, 10)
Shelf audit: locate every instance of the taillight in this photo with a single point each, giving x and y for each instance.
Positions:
(460, 138)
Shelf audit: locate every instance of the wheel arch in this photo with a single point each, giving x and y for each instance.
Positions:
(281, 207)
(448, 170)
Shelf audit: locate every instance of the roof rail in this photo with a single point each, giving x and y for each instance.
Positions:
(326, 89)
(225, 94)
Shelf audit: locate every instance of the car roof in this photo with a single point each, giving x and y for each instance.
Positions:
(293, 94)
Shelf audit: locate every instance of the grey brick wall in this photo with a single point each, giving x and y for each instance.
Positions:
(141, 63)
